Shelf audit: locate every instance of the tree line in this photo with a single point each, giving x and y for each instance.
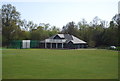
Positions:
(96, 33)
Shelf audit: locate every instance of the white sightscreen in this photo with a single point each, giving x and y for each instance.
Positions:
(26, 44)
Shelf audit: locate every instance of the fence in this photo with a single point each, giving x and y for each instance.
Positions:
(18, 44)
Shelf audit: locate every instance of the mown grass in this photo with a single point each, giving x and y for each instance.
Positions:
(59, 64)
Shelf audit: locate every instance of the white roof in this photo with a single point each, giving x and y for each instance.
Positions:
(66, 38)
(61, 35)
(76, 40)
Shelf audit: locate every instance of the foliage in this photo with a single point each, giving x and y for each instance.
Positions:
(16, 29)
(96, 33)
(9, 22)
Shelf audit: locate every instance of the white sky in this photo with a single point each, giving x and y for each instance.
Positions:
(60, 12)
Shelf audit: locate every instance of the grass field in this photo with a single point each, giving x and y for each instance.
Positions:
(60, 64)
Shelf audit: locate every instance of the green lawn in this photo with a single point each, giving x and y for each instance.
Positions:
(60, 64)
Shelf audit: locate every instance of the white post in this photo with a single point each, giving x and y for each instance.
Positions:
(45, 44)
(51, 45)
(56, 45)
(62, 45)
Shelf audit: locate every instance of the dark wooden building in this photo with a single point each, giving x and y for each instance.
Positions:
(63, 41)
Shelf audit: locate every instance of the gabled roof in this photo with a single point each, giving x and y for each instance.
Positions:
(69, 38)
(77, 40)
(61, 35)
(65, 36)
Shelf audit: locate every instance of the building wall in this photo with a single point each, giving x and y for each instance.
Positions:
(70, 45)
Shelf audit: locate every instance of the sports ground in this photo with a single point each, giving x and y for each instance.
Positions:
(59, 64)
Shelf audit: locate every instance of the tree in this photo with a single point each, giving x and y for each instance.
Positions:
(10, 16)
(71, 29)
(116, 19)
(83, 27)
(0, 28)
(96, 33)
(46, 26)
(53, 30)
(0, 23)
(82, 24)
(27, 25)
(39, 33)
(96, 21)
(103, 23)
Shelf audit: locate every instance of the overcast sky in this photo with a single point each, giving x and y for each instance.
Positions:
(60, 12)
